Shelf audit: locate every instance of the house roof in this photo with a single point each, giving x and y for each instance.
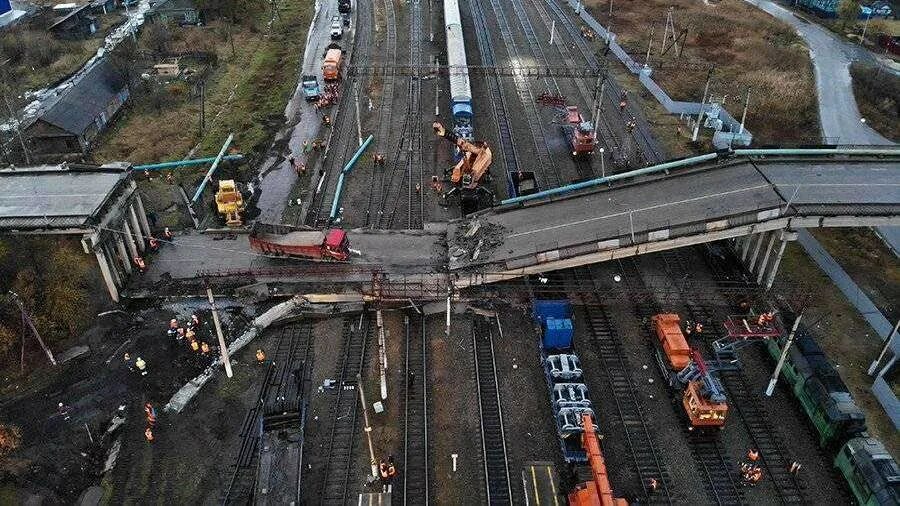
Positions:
(76, 109)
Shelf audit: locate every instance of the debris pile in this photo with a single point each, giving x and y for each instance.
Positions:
(473, 239)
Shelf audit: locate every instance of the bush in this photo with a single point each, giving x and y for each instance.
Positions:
(878, 96)
(10, 439)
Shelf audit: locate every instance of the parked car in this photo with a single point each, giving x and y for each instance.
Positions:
(337, 29)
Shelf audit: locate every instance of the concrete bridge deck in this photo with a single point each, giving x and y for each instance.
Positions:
(711, 201)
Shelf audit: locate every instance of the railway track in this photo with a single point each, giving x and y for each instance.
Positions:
(493, 439)
(385, 110)
(745, 403)
(498, 106)
(291, 354)
(415, 437)
(647, 146)
(548, 174)
(721, 483)
(243, 475)
(342, 135)
(343, 433)
(647, 461)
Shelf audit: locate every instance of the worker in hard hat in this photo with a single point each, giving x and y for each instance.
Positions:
(141, 366)
(383, 474)
(148, 433)
(150, 411)
(260, 356)
(753, 455)
(140, 265)
(204, 348)
(653, 485)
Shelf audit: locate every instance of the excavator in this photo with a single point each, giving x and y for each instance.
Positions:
(472, 169)
(597, 492)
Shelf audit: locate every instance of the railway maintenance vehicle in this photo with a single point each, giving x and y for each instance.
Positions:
(468, 175)
(330, 245)
(703, 396)
(230, 203)
(580, 133)
(598, 491)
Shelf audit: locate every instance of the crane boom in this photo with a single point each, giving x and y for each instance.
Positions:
(475, 162)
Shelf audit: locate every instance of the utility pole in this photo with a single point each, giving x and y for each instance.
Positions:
(367, 428)
(744, 114)
(552, 31)
(784, 354)
(202, 85)
(884, 350)
(610, 12)
(866, 27)
(702, 107)
(649, 47)
(358, 118)
(26, 319)
(223, 348)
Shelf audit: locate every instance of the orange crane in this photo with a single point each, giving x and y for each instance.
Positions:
(475, 162)
(599, 491)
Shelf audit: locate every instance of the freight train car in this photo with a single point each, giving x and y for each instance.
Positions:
(820, 390)
(460, 88)
(569, 396)
(871, 472)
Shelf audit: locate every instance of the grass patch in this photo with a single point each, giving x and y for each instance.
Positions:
(877, 95)
(246, 92)
(747, 47)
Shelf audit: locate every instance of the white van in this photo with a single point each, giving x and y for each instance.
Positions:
(337, 29)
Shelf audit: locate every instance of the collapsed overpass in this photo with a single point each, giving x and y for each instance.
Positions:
(757, 197)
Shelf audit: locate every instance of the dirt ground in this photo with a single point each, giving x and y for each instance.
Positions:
(747, 48)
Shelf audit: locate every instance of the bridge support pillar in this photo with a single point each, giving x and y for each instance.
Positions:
(120, 246)
(105, 268)
(118, 276)
(786, 237)
(136, 227)
(759, 239)
(142, 215)
(745, 247)
(129, 240)
(770, 243)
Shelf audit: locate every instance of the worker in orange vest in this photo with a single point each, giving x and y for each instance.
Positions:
(167, 234)
(699, 328)
(204, 348)
(260, 356)
(139, 263)
(383, 473)
(154, 244)
(150, 412)
(795, 467)
(148, 433)
(753, 455)
(653, 485)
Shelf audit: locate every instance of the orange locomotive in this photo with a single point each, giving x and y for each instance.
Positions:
(703, 397)
(580, 133)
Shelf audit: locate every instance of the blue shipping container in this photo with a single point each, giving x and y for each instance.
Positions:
(543, 309)
(558, 334)
(4, 6)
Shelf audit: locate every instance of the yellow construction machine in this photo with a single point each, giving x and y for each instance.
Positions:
(230, 203)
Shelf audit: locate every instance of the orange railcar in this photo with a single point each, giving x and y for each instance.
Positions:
(674, 345)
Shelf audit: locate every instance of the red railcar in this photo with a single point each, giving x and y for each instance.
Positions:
(299, 242)
(580, 133)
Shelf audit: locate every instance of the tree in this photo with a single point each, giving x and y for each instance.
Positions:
(156, 37)
(10, 439)
(848, 10)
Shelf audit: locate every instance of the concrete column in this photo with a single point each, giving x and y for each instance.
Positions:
(107, 274)
(763, 237)
(786, 236)
(111, 259)
(142, 216)
(129, 240)
(761, 271)
(745, 247)
(138, 235)
(120, 245)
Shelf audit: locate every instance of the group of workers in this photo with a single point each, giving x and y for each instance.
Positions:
(387, 471)
(750, 471)
(138, 365)
(766, 319)
(692, 327)
(328, 97)
(188, 333)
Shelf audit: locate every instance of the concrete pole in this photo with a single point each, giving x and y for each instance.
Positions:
(136, 228)
(552, 31)
(884, 350)
(368, 428)
(602, 162)
(107, 274)
(784, 353)
(120, 246)
(774, 270)
(744, 114)
(223, 348)
(142, 215)
(132, 248)
(358, 117)
(765, 261)
(702, 109)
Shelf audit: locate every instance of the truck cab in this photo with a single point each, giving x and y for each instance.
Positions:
(337, 28)
(310, 85)
(337, 245)
(344, 6)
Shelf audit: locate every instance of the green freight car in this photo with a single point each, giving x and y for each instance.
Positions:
(820, 390)
(870, 471)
